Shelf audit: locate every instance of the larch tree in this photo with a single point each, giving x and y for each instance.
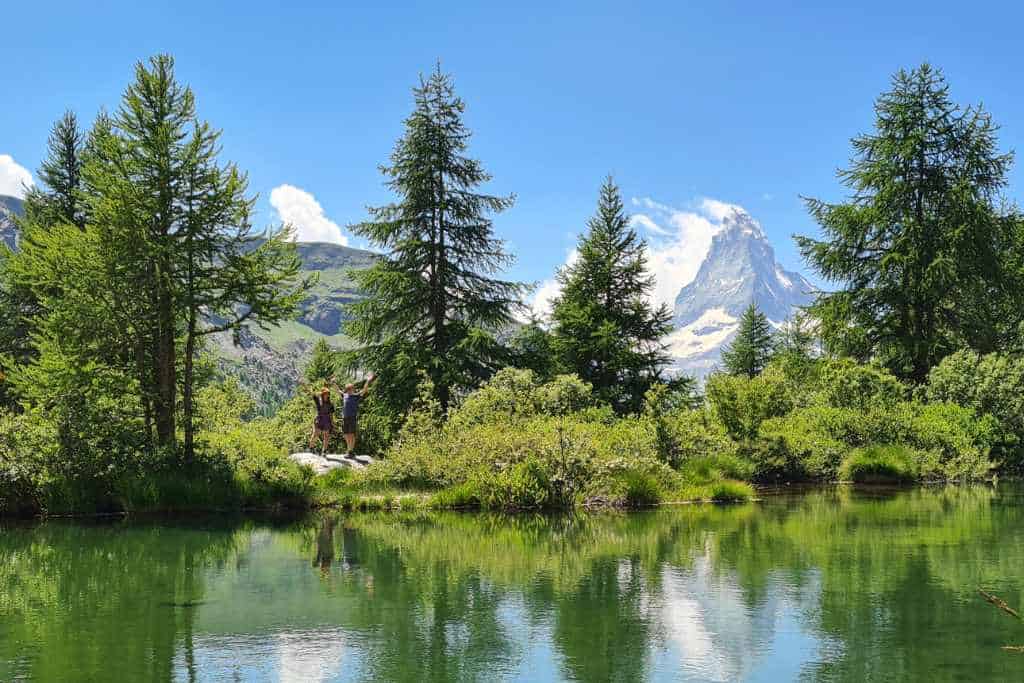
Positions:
(166, 255)
(924, 252)
(435, 301)
(605, 328)
(322, 363)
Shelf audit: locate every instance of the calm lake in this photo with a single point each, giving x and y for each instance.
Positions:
(828, 585)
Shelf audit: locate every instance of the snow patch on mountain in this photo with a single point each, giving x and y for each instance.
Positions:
(740, 268)
(704, 334)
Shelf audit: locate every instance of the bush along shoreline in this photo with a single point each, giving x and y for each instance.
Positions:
(519, 442)
(907, 367)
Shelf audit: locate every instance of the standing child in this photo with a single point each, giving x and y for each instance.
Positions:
(350, 413)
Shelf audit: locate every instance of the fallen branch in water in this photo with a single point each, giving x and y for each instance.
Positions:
(1001, 604)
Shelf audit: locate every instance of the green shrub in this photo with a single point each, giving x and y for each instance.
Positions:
(641, 489)
(741, 404)
(880, 463)
(27, 443)
(992, 384)
(514, 394)
(464, 495)
(679, 426)
(223, 406)
(811, 442)
(569, 458)
(848, 384)
(729, 491)
(697, 434)
(526, 484)
(715, 466)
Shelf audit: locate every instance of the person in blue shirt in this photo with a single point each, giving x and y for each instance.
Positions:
(350, 412)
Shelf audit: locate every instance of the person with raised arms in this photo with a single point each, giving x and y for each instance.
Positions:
(350, 413)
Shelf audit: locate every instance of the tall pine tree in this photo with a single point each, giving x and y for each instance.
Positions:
(433, 302)
(605, 328)
(59, 198)
(166, 256)
(322, 363)
(924, 251)
(750, 351)
(55, 201)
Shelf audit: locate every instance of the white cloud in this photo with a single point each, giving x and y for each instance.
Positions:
(644, 222)
(548, 290)
(718, 210)
(678, 242)
(303, 212)
(14, 178)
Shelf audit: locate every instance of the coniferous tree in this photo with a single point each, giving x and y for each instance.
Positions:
(795, 337)
(925, 254)
(165, 258)
(533, 348)
(433, 302)
(750, 351)
(57, 200)
(322, 363)
(605, 329)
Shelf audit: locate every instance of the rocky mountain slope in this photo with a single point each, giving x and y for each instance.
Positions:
(269, 362)
(9, 207)
(740, 268)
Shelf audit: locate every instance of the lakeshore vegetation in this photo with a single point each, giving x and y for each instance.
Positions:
(138, 245)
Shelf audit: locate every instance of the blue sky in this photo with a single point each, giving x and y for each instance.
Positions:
(746, 103)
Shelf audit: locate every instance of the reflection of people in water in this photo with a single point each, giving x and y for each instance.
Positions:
(325, 546)
(348, 547)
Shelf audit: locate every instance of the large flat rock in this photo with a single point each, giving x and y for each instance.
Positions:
(322, 464)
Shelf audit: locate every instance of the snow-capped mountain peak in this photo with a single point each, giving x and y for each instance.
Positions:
(740, 268)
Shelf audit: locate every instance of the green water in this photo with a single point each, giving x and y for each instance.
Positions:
(828, 585)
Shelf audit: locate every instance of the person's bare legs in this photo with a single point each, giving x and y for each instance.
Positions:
(327, 437)
(313, 434)
(350, 441)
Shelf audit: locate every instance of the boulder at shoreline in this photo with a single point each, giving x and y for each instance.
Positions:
(332, 461)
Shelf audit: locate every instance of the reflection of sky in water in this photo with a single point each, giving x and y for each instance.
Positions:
(825, 585)
(286, 656)
(710, 634)
(701, 628)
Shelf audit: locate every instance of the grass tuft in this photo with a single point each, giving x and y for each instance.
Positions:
(887, 463)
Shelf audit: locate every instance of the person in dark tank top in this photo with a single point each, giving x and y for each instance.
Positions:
(323, 425)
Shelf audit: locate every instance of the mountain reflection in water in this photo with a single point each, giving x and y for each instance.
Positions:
(833, 584)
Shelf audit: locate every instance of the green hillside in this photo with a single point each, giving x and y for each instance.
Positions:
(269, 362)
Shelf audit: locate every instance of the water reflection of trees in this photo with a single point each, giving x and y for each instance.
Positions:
(883, 582)
(82, 602)
(882, 586)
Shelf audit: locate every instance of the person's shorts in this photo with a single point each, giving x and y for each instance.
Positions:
(348, 425)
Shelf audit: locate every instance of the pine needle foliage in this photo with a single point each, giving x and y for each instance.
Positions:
(926, 254)
(605, 328)
(434, 302)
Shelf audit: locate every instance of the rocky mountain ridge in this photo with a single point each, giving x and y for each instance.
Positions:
(9, 208)
(739, 269)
